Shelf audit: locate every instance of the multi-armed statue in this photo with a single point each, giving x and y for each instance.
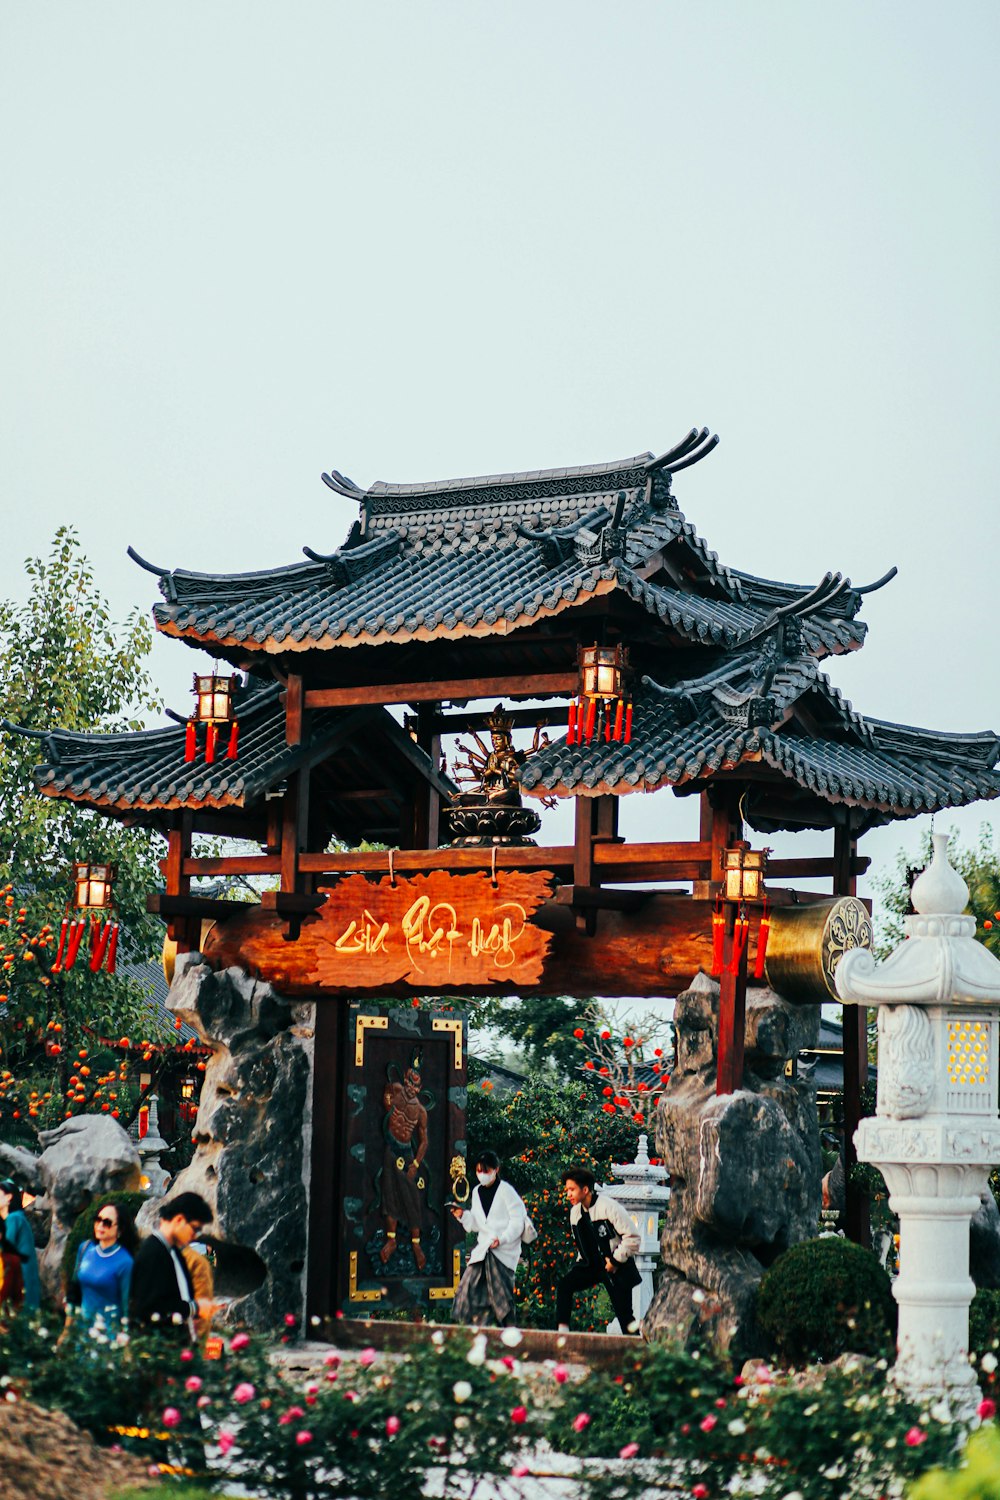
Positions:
(935, 1134)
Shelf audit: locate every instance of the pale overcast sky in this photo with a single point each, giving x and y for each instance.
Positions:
(245, 242)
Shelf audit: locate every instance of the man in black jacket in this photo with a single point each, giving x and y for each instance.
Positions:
(161, 1295)
(606, 1244)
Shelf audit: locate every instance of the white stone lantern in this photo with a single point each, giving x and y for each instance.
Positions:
(642, 1191)
(935, 1134)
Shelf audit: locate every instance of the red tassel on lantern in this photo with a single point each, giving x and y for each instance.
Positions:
(98, 946)
(234, 735)
(607, 724)
(76, 931)
(190, 741)
(571, 731)
(112, 950)
(741, 932)
(588, 732)
(765, 928)
(62, 945)
(619, 710)
(628, 724)
(718, 936)
(211, 734)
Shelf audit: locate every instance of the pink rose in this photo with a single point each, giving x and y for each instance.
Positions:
(520, 1471)
(187, 1355)
(519, 1415)
(289, 1320)
(303, 1437)
(391, 1426)
(986, 1408)
(707, 1423)
(226, 1441)
(580, 1421)
(171, 1417)
(332, 1359)
(507, 1362)
(367, 1357)
(915, 1437)
(193, 1383)
(244, 1392)
(629, 1450)
(238, 1342)
(700, 1491)
(291, 1415)
(560, 1374)
(203, 1401)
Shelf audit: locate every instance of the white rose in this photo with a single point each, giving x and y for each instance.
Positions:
(477, 1353)
(989, 1363)
(511, 1337)
(461, 1391)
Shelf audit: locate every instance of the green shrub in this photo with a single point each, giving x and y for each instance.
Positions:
(826, 1297)
(984, 1323)
(83, 1228)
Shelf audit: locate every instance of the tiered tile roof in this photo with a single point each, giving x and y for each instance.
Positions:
(144, 775)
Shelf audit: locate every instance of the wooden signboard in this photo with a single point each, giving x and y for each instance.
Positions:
(431, 932)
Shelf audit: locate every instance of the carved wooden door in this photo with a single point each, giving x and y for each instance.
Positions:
(404, 1159)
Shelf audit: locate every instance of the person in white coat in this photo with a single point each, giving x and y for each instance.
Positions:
(606, 1241)
(498, 1218)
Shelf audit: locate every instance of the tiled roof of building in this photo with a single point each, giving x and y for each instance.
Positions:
(145, 772)
(462, 558)
(802, 732)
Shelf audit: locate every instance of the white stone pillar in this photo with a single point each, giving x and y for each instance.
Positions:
(935, 1134)
(642, 1190)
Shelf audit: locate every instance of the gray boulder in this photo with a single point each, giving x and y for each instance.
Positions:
(745, 1169)
(250, 1162)
(81, 1159)
(984, 1243)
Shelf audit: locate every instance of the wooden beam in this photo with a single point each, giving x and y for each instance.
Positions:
(198, 907)
(464, 689)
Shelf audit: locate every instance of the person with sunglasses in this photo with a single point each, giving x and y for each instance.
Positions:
(162, 1295)
(102, 1274)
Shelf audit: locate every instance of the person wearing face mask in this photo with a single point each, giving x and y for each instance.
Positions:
(499, 1219)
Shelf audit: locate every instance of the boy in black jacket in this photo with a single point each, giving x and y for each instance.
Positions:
(606, 1244)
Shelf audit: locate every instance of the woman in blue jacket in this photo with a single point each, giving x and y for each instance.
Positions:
(103, 1270)
(20, 1240)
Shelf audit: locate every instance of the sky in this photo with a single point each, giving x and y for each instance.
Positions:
(243, 243)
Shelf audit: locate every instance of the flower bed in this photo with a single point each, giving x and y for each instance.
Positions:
(458, 1411)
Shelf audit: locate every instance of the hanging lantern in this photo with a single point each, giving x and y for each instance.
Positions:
(92, 891)
(214, 706)
(601, 708)
(744, 872)
(93, 886)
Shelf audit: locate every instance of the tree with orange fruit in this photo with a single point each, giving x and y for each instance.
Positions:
(64, 662)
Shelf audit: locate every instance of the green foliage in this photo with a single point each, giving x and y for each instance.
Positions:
(541, 1030)
(977, 1479)
(369, 1424)
(664, 1387)
(538, 1132)
(825, 1297)
(83, 1227)
(984, 1326)
(64, 664)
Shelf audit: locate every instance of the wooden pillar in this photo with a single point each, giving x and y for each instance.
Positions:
(426, 819)
(722, 825)
(732, 1011)
(855, 1022)
(180, 929)
(294, 828)
(325, 1237)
